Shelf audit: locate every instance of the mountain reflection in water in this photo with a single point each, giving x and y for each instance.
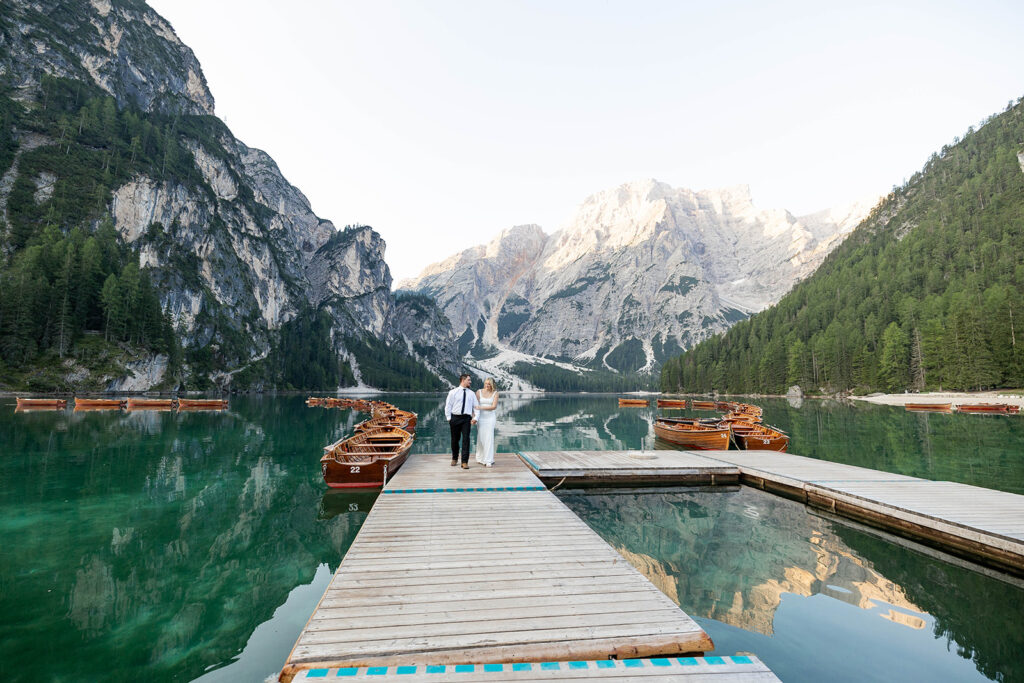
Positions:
(738, 556)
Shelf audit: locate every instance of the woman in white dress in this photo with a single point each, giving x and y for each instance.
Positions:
(487, 402)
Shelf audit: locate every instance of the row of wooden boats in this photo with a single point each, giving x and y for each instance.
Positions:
(372, 455)
(984, 408)
(140, 403)
(740, 427)
(680, 403)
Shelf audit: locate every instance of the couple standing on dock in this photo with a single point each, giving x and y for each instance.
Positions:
(465, 408)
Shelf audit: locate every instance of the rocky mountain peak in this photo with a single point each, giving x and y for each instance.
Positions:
(122, 46)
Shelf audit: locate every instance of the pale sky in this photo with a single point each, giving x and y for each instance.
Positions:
(441, 123)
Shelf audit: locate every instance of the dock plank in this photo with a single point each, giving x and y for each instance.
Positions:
(482, 576)
(980, 524)
(666, 467)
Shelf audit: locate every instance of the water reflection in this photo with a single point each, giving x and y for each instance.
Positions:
(159, 540)
(167, 541)
(737, 557)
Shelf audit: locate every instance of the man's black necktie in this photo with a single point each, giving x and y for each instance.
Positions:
(463, 400)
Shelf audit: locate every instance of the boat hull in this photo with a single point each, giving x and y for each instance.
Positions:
(42, 403)
(670, 403)
(702, 405)
(693, 436)
(930, 407)
(367, 459)
(634, 402)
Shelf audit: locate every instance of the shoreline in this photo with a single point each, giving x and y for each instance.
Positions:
(954, 397)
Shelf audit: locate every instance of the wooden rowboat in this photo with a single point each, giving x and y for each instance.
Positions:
(99, 403)
(42, 403)
(702, 405)
(983, 408)
(756, 437)
(638, 402)
(726, 406)
(367, 459)
(202, 403)
(930, 407)
(693, 435)
(150, 404)
(671, 403)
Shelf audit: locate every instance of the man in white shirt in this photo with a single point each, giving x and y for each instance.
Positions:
(458, 410)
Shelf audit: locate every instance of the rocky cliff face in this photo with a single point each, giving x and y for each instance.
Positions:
(234, 249)
(641, 272)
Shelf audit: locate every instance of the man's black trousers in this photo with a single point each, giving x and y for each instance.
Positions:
(460, 425)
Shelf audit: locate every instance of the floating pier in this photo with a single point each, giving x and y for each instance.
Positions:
(979, 524)
(485, 567)
(624, 468)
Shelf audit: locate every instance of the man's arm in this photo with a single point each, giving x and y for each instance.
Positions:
(448, 407)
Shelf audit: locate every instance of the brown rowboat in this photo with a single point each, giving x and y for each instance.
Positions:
(99, 403)
(638, 402)
(202, 403)
(42, 403)
(702, 436)
(756, 437)
(702, 405)
(367, 459)
(150, 404)
(930, 407)
(671, 403)
(985, 408)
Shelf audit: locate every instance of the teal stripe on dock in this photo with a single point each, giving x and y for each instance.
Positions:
(735, 668)
(468, 490)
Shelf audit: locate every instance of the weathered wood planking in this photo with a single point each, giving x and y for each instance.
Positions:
(461, 567)
(981, 524)
(663, 467)
(737, 669)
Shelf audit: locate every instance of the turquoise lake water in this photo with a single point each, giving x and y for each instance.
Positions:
(194, 546)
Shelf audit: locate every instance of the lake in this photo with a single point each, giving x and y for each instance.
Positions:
(194, 546)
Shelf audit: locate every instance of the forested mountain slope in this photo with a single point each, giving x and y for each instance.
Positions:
(143, 246)
(924, 294)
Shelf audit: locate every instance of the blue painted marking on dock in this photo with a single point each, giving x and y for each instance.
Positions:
(348, 671)
(494, 667)
(464, 668)
(578, 665)
(714, 660)
(550, 666)
(633, 663)
(605, 664)
(661, 662)
(478, 489)
(687, 661)
(317, 673)
(406, 670)
(741, 660)
(435, 669)
(522, 666)
(377, 671)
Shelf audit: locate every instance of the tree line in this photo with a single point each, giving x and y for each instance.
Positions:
(925, 294)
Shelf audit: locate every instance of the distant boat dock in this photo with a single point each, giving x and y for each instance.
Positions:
(486, 572)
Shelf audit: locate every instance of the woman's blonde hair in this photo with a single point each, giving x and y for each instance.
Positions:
(491, 381)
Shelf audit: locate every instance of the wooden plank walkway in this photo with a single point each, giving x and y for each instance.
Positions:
(601, 468)
(458, 567)
(738, 669)
(979, 524)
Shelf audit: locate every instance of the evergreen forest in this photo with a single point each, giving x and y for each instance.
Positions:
(925, 294)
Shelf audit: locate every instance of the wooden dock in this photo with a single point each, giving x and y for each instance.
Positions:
(979, 524)
(485, 566)
(603, 468)
(737, 669)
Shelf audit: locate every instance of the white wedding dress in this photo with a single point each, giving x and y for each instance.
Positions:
(485, 432)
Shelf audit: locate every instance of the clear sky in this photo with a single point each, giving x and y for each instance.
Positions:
(440, 123)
